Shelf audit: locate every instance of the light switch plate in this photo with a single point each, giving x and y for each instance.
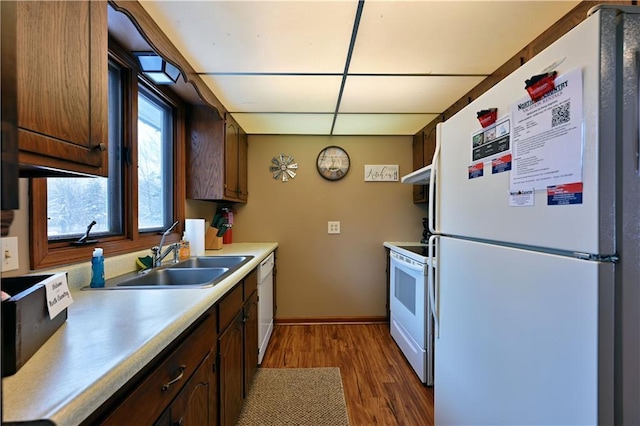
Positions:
(9, 253)
(334, 227)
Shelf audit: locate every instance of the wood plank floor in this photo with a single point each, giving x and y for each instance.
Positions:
(380, 387)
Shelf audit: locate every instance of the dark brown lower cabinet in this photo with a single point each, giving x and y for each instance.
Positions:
(231, 371)
(250, 340)
(238, 347)
(180, 383)
(201, 378)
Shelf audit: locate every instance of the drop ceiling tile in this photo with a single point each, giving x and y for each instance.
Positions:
(404, 94)
(284, 124)
(275, 93)
(258, 36)
(461, 37)
(238, 43)
(381, 124)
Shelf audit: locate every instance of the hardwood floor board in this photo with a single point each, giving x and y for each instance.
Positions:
(379, 385)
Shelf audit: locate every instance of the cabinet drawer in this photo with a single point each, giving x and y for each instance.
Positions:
(250, 284)
(229, 307)
(147, 402)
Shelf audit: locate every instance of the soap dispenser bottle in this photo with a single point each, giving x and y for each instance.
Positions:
(97, 268)
(185, 251)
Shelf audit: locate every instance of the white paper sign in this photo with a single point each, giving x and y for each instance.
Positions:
(521, 198)
(58, 294)
(381, 173)
(547, 136)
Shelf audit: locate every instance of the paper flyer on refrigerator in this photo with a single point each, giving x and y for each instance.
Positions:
(547, 136)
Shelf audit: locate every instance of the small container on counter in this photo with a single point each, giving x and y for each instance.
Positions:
(97, 268)
(185, 251)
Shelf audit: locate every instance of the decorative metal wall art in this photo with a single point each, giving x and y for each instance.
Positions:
(283, 167)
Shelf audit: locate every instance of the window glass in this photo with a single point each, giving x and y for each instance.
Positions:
(155, 160)
(73, 203)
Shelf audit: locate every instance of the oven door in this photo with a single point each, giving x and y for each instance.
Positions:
(408, 297)
(410, 319)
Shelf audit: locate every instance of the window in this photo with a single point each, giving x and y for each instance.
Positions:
(155, 162)
(142, 194)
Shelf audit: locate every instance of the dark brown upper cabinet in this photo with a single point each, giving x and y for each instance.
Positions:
(216, 157)
(9, 166)
(424, 145)
(61, 87)
(235, 147)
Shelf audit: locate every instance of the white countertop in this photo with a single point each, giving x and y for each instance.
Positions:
(395, 244)
(108, 337)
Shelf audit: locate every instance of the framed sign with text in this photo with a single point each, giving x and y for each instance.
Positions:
(381, 173)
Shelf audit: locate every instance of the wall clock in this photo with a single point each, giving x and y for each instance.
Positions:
(283, 167)
(333, 163)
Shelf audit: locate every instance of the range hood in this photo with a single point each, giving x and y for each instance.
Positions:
(419, 177)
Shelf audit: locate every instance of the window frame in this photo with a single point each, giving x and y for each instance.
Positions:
(45, 253)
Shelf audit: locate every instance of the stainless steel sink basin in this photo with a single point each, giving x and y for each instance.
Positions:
(180, 277)
(195, 272)
(211, 262)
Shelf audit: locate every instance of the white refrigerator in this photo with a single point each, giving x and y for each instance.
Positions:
(537, 231)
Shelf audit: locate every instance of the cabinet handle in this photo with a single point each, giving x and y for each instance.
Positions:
(100, 147)
(177, 379)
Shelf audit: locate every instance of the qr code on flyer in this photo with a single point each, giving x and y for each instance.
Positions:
(561, 114)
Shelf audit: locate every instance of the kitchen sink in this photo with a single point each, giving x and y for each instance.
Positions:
(182, 277)
(212, 262)
(195, 272)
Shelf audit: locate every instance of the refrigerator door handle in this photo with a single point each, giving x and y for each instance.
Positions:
(432, 181)
(434, 241)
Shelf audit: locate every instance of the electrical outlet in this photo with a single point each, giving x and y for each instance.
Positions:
(334, 227)
(9, 253)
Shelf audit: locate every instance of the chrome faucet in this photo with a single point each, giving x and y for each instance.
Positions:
(158, 255)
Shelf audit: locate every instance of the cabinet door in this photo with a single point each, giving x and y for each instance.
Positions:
(419, 191)
(230, 371)
(205, 154)
(231, 158)
(165, 418)
(191, 406)
(62, 66)
(243, 148)
(424, 146)
(429, 146)
(9, 169)
(250, 340)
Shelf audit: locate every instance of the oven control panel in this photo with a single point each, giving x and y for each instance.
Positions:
(406, 259)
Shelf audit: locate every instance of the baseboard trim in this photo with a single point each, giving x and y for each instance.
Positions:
(330, 320)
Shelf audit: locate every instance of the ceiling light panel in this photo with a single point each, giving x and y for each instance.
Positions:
(284, 124)
(258, 36)
(404, 94)
(274, 93)
(381, 124)
(448, 37)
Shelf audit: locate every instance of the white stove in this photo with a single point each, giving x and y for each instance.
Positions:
(410, 298)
